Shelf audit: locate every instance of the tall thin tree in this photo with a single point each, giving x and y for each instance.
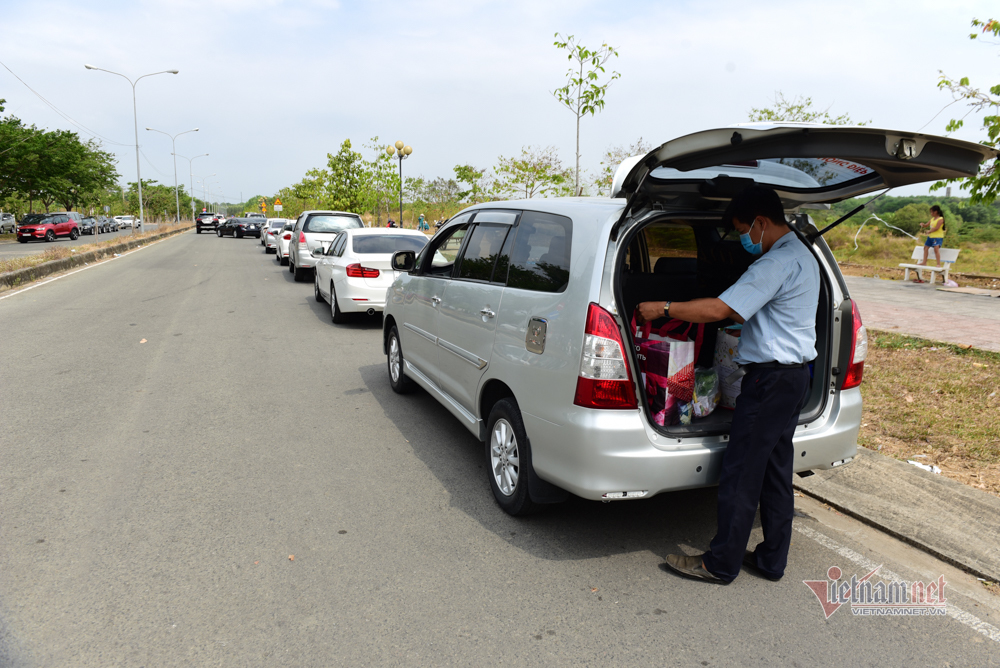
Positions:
(583, 93)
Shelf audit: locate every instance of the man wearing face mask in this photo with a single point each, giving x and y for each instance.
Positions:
(776, 300)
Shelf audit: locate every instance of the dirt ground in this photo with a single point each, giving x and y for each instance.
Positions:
(936, 404)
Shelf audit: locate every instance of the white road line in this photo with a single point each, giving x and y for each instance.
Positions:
(90, 266)
(959, 615)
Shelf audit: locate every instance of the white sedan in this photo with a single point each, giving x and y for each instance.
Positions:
(283, 239)
(353, 272)
(272, 232)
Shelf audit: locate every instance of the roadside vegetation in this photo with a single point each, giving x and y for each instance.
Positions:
(934, 403)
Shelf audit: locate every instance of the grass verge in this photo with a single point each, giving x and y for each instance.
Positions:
(934, 403)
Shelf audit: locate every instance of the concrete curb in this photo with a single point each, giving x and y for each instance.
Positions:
(19, 277)
(947, 519)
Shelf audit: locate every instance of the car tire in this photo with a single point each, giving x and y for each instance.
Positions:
(291, 266)
(336, 315)
(237, 235)
(219, 233)
(507, 459)
(398, 381)
(300, 274)
(50, 236)
(318, 294)
(282, 260)
(74, 234)
(197, 230)
(23, 241)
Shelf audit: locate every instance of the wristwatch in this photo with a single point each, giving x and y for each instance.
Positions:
(666, 309)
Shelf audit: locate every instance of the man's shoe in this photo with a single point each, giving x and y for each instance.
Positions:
(750, 561)
(691, 567)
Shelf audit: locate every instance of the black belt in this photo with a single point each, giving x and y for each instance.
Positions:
(772, 365)
(747, 368)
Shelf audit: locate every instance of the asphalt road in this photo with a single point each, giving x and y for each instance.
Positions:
(152, 495)
(17, 249)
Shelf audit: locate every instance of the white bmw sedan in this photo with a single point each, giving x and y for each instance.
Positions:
(353, 272)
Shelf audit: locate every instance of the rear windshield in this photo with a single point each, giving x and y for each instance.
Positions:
(386, 243)
(277, 225)
(806, 173)
(330, 224)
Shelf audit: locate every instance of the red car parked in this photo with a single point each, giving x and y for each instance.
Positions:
(49, 226)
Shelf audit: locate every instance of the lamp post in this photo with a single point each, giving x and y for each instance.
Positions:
(191, 176)
(173, 144)
(402, 152)
(204, 188)
(135, 119)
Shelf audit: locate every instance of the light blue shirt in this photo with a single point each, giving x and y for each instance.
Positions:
(777, 298)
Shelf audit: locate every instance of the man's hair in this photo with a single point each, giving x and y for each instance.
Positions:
(752, 202)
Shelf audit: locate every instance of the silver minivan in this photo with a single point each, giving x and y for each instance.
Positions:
(314, 229)
(516, 315)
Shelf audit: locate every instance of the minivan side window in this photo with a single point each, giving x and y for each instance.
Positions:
(438, 257)
(540, 258)
(481, 252)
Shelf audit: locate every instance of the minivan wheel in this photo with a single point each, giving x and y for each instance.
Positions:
(336, 315)
(507, 456)
(399, 382)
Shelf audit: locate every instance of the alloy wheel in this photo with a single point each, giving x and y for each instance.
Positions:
(504, 457)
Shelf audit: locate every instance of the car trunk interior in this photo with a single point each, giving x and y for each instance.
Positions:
(679, 258)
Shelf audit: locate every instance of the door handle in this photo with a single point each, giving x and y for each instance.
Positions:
(487, 313)
(435, 301)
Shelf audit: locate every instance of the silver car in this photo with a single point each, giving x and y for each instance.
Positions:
(516, 315)
(269, 234)
(311, 230)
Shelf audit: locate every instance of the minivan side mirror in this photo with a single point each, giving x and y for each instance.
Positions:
(317, 252)
(404, 260)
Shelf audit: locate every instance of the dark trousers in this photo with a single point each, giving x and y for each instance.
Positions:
(757, 470)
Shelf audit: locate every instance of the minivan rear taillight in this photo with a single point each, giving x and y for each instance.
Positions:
(859, 351)
(605, 380)
(302, 239)
(357, 271)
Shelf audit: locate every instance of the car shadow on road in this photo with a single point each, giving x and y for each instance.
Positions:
(575, 529)
(358, 321)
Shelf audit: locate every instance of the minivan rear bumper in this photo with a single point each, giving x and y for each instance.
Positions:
(600, 455)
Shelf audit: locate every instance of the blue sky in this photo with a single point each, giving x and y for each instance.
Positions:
(275, 85)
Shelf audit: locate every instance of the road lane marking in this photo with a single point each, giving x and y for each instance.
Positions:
(956, 613)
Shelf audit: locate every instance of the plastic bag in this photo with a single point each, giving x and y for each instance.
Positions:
(706, 391)
(680, 370)
(725, 350)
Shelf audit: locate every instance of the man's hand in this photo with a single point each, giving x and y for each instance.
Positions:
(649, 311)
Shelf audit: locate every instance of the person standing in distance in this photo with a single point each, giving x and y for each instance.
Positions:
(776, 300)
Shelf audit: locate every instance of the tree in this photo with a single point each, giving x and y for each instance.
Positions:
(536, 172)
(347, 176)
(798, 110)
(582, 93)
(984, 186)
(477, 181)
(613, 157)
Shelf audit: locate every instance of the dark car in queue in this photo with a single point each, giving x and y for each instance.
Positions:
(89, 225)
(49, 227)
(242, 227)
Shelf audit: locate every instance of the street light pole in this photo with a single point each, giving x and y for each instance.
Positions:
(403, 152)
(135, 120)
(191, 176)
(173, 144)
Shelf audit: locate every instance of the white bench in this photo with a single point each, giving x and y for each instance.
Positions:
(948, 257)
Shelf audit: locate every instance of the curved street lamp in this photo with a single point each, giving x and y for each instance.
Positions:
(173, 144)
(135, 119)
(402, 152)
(191, 176)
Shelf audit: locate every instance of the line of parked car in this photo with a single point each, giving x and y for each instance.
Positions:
(71, 224)
(517, 316)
